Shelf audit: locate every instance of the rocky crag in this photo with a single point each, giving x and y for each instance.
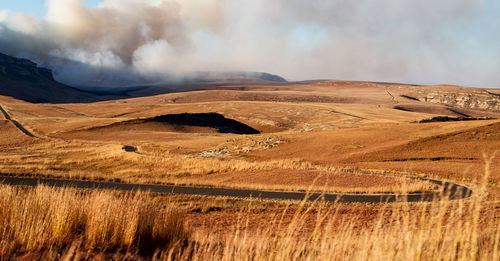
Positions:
(23, 79)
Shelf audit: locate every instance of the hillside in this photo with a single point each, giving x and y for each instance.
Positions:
(22, 79)
(359, 139)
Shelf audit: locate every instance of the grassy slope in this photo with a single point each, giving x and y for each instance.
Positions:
(347, 124)
(363, 131)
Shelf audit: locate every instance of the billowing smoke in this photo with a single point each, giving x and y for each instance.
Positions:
(84, 44)
(129, 41)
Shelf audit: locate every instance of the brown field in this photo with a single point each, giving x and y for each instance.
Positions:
(319, 136)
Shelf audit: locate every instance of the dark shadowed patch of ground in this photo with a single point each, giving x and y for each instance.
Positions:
(184, 122)
(447, 118)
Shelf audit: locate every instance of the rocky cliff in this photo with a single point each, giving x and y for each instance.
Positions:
(454, 96)
(24, 80)
(480, 99)
(22, 68)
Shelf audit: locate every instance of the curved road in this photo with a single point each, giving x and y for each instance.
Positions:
(450, 191)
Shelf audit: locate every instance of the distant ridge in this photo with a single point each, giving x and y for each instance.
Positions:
(234, 77)
(23, 79)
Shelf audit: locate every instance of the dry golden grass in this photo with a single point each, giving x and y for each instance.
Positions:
(46, 219)
(9, 133)
(109, 162)
(316, 139)
(429, 233)
(46, 223)
(324, 127)
(445, 230)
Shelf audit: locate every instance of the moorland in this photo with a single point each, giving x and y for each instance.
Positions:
(344, 137)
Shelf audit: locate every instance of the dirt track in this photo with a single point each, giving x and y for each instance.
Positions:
(16, 123)
(451, 191)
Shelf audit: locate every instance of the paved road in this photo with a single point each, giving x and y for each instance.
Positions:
(16, 123)
(451, 191)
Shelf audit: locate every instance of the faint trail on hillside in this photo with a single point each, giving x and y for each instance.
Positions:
(450, 191)
(494, 94)
(392, 96)
(16, 123)
(347, 114)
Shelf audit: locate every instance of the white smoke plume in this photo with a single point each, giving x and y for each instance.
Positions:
(383, 40)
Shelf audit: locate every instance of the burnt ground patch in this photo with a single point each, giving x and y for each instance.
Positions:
(211, 120)
(187, 122)
(447, 118)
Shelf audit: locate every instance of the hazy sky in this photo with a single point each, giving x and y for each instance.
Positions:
(33, 7)
(414, 41)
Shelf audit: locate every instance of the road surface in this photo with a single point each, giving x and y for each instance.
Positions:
(451, 191)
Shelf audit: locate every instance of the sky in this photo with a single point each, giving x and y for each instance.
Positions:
(412, 41)
(33, 7)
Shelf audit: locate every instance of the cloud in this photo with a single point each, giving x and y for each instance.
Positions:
(391, 40)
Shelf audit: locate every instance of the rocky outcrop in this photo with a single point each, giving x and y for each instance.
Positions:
(23, 79)
(480, 99)
(22, 68)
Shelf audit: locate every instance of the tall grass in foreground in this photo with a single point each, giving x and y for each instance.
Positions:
(43, 218)
(441, 230)
(436, 231)
(48, 219)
